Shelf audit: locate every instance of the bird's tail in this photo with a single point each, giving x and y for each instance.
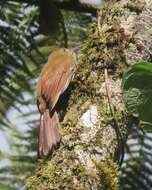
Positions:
(49, 136)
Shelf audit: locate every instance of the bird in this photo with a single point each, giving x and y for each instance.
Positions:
(52, 82)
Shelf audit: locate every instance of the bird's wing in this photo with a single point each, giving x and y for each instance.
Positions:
(54, 82)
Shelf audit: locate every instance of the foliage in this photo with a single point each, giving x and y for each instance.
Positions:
(15, 46)
(136, 170)
(17, 68)
(137, 91)
(22, 52)
(137, 95)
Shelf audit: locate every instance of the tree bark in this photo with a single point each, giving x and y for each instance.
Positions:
(89, 153)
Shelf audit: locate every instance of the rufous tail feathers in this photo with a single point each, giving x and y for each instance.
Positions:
(49, 136)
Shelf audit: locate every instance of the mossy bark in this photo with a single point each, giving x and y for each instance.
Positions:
(88, 155)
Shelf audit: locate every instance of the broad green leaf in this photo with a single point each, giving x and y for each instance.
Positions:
(138, 76)
(137, 91)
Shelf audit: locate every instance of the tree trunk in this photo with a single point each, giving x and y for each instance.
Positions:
(95, 122)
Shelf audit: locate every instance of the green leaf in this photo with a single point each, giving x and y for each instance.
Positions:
(147, 126)
(137, 91)
(138, 76)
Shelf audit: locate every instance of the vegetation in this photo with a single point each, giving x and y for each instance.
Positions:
(137, 90)
(24, 48)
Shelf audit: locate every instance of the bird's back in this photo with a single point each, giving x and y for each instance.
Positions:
(55, 75)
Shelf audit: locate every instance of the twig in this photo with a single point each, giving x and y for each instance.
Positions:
(118, 132)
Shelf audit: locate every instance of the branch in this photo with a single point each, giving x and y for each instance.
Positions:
(73, 5)
(116, 125)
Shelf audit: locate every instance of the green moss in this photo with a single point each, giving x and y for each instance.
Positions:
(108, 172)
(64, 172)
(51, 175)
(135, 6)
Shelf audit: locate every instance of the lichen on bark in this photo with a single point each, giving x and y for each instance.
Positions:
(87, 157)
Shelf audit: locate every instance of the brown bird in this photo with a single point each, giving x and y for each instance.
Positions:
(53, 81)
